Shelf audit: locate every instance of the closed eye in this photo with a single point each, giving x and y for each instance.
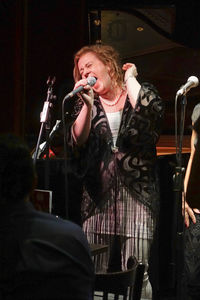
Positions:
(89, 65)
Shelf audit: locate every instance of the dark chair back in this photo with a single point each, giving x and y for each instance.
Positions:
(121, 284)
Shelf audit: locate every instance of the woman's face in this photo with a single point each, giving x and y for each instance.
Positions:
(90, 65)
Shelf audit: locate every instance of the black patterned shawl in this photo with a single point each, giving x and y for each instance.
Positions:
(102, 167)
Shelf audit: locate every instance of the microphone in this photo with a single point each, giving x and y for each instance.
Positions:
(192, 81)
(90, 80)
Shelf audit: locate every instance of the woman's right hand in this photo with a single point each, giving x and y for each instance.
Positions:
(87, 94)
(187, 213)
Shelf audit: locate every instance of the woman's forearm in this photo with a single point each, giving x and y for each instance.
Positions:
(82, 125)
(133, 88)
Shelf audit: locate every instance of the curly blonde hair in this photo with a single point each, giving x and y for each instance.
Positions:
(107, 55)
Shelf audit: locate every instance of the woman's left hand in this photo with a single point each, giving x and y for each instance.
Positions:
(130, 70)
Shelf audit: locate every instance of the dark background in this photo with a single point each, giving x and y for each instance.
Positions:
(39, 38)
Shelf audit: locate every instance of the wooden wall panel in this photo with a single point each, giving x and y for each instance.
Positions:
(38, 39)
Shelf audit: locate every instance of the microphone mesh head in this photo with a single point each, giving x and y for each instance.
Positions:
(194, 79)
(91, 81)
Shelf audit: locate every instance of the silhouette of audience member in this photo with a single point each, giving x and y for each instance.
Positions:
(41, 256)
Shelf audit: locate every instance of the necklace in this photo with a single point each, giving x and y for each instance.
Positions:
(111, 103)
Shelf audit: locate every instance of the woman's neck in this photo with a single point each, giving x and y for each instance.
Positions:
(116, 103)
(111, 94)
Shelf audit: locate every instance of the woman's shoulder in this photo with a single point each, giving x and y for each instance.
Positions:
(147, 86)
(196, 113)
(149, 96)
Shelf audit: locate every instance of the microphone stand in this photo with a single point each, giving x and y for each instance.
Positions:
(42, 147)
(178, 189)
(45, 124)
